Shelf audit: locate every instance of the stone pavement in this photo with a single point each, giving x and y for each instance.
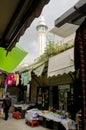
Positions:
(13, 124)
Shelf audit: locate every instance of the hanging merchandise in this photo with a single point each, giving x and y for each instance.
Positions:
(16, 78)
(5, 89)
(10, 81)
(40, 99)
(25, 78)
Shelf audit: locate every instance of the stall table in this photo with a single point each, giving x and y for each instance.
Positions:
(68, 123)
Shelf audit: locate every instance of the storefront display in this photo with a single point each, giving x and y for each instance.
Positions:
(43, 97)
(67, 123)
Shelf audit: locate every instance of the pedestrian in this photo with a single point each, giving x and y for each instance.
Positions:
(6, 106)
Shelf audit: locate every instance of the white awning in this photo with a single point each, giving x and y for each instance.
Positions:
(37, 67)
(39, 70)
(61, 63)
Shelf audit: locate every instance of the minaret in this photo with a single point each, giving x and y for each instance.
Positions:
(42, 32)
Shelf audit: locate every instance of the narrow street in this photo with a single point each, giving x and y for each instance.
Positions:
(13, 124)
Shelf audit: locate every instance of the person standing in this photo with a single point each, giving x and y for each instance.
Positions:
(6, 106)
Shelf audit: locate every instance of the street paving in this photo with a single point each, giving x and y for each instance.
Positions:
(13, 124)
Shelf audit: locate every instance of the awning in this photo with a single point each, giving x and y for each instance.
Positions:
(39, 70)
(38, 67)
(61, 63)
(9, 63)
(15, 17)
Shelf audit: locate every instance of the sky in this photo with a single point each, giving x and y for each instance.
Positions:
(51, 11)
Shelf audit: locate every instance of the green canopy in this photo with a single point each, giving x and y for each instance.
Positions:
(10, 61)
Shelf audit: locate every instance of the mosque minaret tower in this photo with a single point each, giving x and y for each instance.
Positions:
(42, 32)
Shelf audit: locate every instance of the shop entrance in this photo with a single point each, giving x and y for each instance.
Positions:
(63, 96)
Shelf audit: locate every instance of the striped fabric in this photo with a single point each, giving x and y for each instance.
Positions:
(80, 63)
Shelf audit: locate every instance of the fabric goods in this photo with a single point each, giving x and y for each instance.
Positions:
(80, 63)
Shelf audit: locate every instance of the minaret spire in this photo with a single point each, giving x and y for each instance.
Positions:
(42, 32)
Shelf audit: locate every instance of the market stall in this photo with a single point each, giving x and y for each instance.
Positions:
(68, 123)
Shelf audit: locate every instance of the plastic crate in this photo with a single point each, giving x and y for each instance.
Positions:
(17, 115)
(32, 123)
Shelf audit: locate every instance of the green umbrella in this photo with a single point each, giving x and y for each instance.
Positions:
(10, 61)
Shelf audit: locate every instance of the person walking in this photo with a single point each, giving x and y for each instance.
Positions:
(6, 106)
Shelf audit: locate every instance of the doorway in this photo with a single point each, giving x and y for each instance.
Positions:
(55, 97)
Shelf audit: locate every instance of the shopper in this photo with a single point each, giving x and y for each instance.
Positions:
(6, 106)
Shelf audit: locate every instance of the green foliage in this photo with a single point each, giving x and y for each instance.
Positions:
(54, 49)
(51, 49)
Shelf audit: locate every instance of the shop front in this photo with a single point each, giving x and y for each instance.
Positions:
(62, 77)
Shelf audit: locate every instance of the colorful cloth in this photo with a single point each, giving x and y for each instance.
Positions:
(10, 80)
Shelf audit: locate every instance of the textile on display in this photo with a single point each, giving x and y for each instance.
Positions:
(80, 63)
